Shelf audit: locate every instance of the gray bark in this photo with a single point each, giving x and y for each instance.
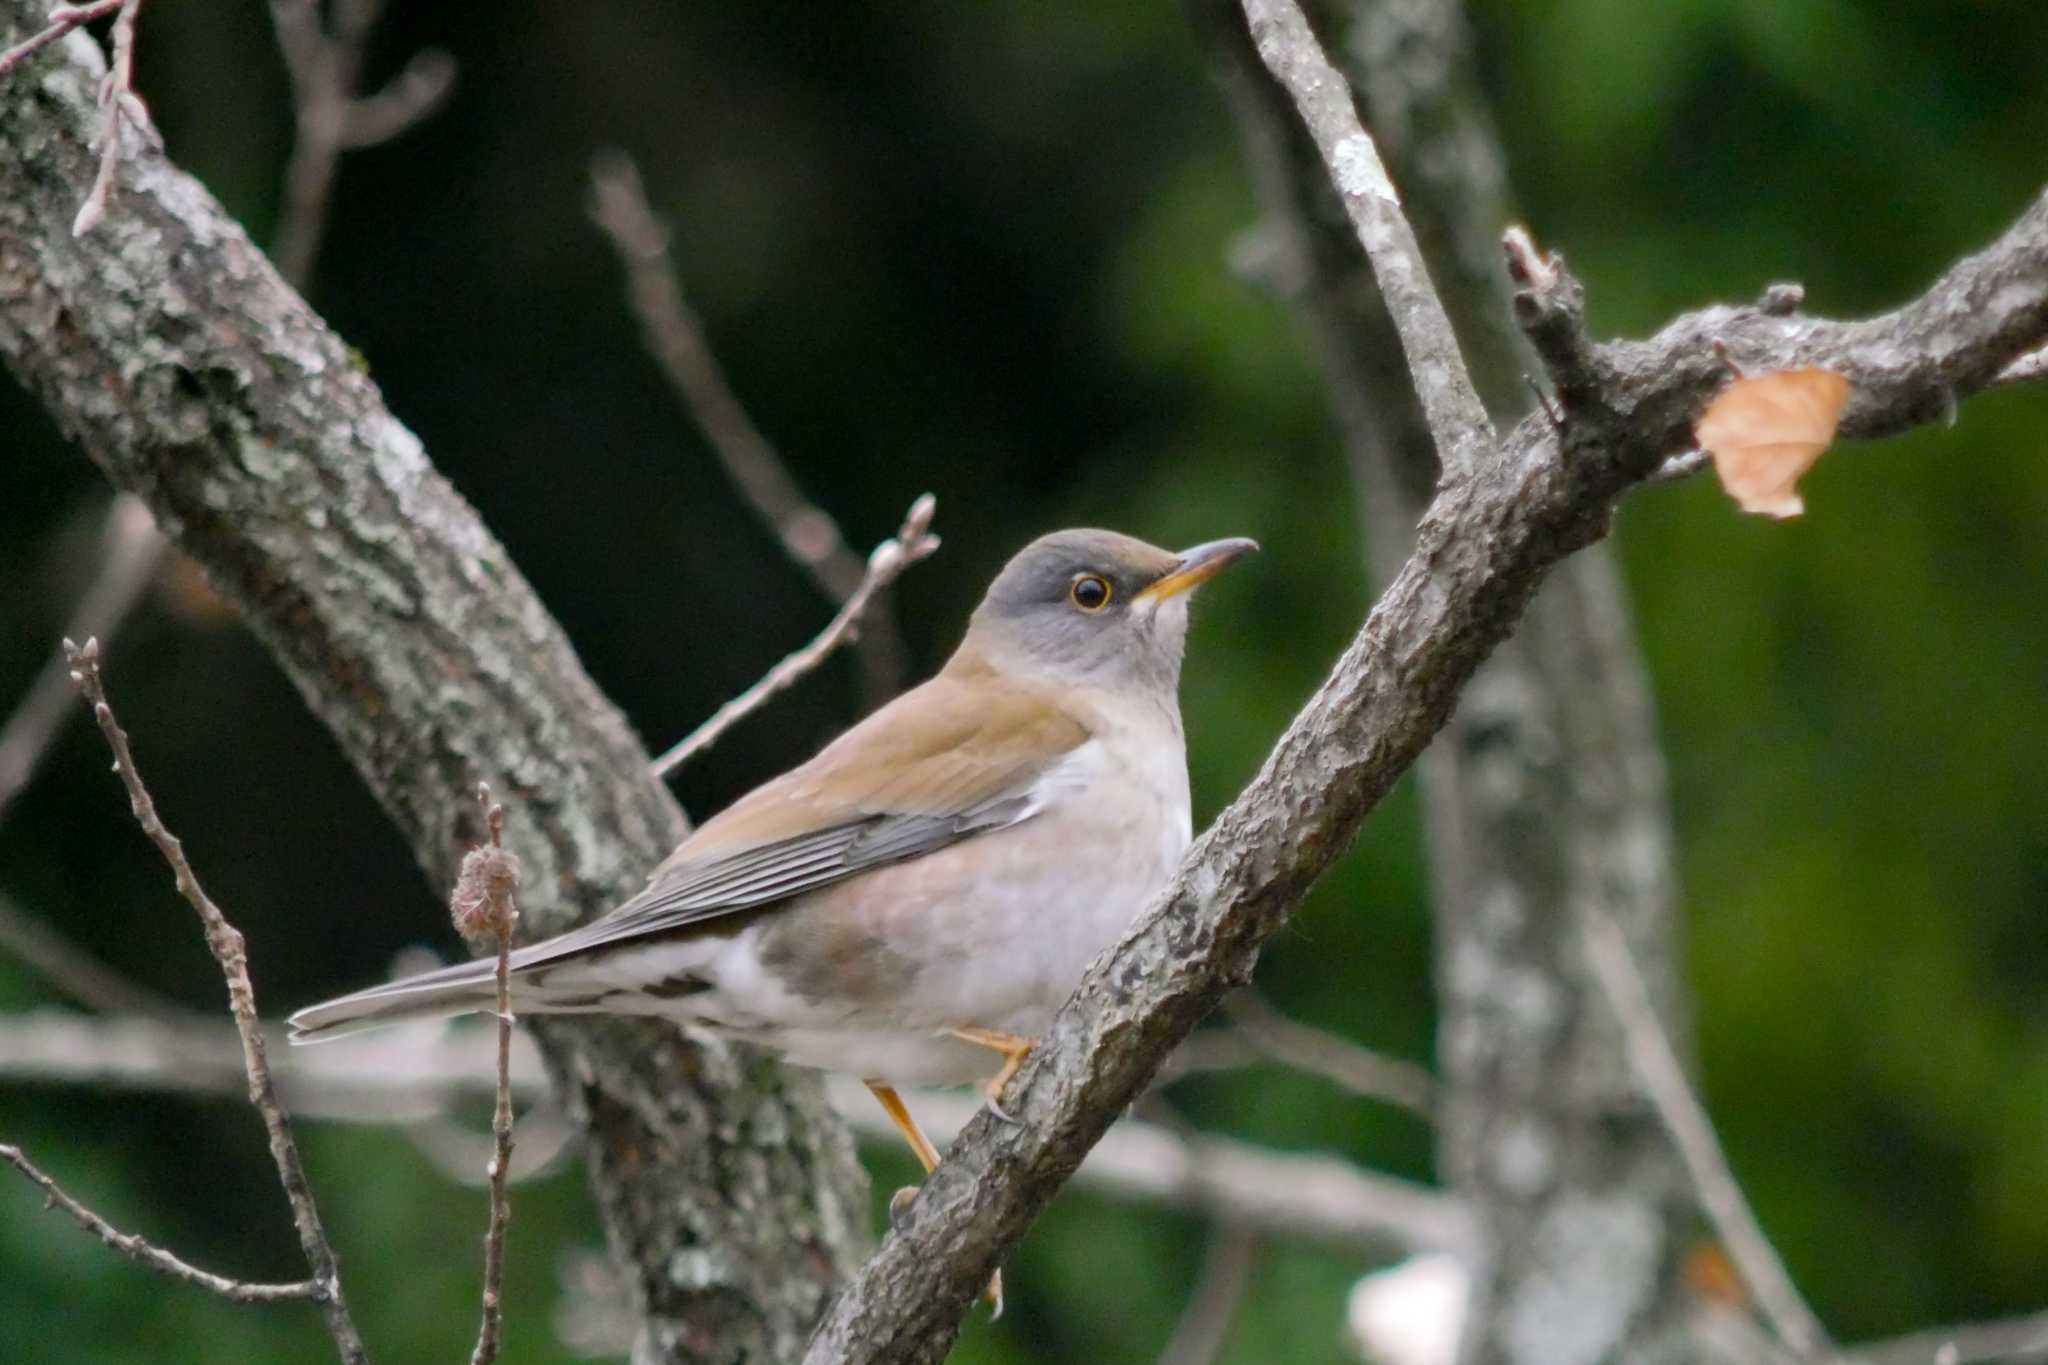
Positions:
(1545, 795)
(170, 349)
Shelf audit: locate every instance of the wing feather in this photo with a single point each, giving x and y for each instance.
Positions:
(942, 763)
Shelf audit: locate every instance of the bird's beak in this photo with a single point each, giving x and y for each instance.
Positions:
(1197, 565)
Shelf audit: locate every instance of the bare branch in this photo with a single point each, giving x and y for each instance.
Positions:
(1213, 1303)
(1343, 1063)
(130, 550)
(135, 1248)
(1682, 466)
(1352, 1069)
(1274, 1194)
(2033, 365)
(1481, 549)
(1663, 1080)
(485, 892)
(76, 972)
(225, 942)
(63, 19)
(2021, 1339)
(1457, 420)
(325, 61)
(118, 105)
(416, 1072)
(675, 337)
(911, 543)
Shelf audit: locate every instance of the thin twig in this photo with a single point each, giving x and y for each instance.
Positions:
(1351, 1068)
(138, 1249)
(325, 62)
(76, 972)
(1457, 419)
(63, 19)
(484, 893)
(912, 542)
(119, 104)
(2033, 365)
(1964, 1343)
(675, 337)
(228, 949)
(130, 549)
(1681, 466)
(1213, 1303)
(1663, 1080)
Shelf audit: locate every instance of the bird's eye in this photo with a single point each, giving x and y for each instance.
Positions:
(1090, 592)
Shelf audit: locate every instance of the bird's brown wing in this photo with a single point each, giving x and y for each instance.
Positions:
(942, 763)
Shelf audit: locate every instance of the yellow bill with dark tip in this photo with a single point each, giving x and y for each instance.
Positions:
(1197, 565)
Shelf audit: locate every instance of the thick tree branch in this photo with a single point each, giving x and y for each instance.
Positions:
(170, 349)
(1544, 798)
(1480, 551)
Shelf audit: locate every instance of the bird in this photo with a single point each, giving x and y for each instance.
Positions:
(913, 904)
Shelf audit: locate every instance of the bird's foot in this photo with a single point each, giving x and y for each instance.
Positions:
(1014, 1047)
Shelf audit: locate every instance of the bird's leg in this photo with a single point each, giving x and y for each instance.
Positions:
(928, 1157)
(1014, 1047)
(899, 1114)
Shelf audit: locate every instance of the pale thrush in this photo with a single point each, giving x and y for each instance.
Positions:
(930, 887)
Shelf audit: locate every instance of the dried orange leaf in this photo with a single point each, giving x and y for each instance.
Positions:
(1767, 430)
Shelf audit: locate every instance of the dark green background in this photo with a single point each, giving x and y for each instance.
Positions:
(981, 251)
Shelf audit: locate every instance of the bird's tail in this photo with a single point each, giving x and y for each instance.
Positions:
(463, 988)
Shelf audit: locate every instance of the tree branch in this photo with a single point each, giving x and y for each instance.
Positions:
(675, 338)
(325, 62)
(415, 1073)
(172, 351)
(483, 903)
(75, 972)
(224, 941)
(1457, 420)
(1219, 1291)
(2033, 365)
(137, 1249)
(1692, 1132)
(1481, 548)
(1353, 1069)
(130, 550)
(911, 543)
(2021, 1339)
(1545, 795)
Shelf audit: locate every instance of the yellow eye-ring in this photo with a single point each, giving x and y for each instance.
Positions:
(1090, 592)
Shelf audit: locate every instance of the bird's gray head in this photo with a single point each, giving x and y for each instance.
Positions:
(1095, 608)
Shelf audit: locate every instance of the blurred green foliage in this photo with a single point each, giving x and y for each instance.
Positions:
(982, 251)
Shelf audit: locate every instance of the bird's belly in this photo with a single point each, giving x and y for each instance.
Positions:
(993, 932)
